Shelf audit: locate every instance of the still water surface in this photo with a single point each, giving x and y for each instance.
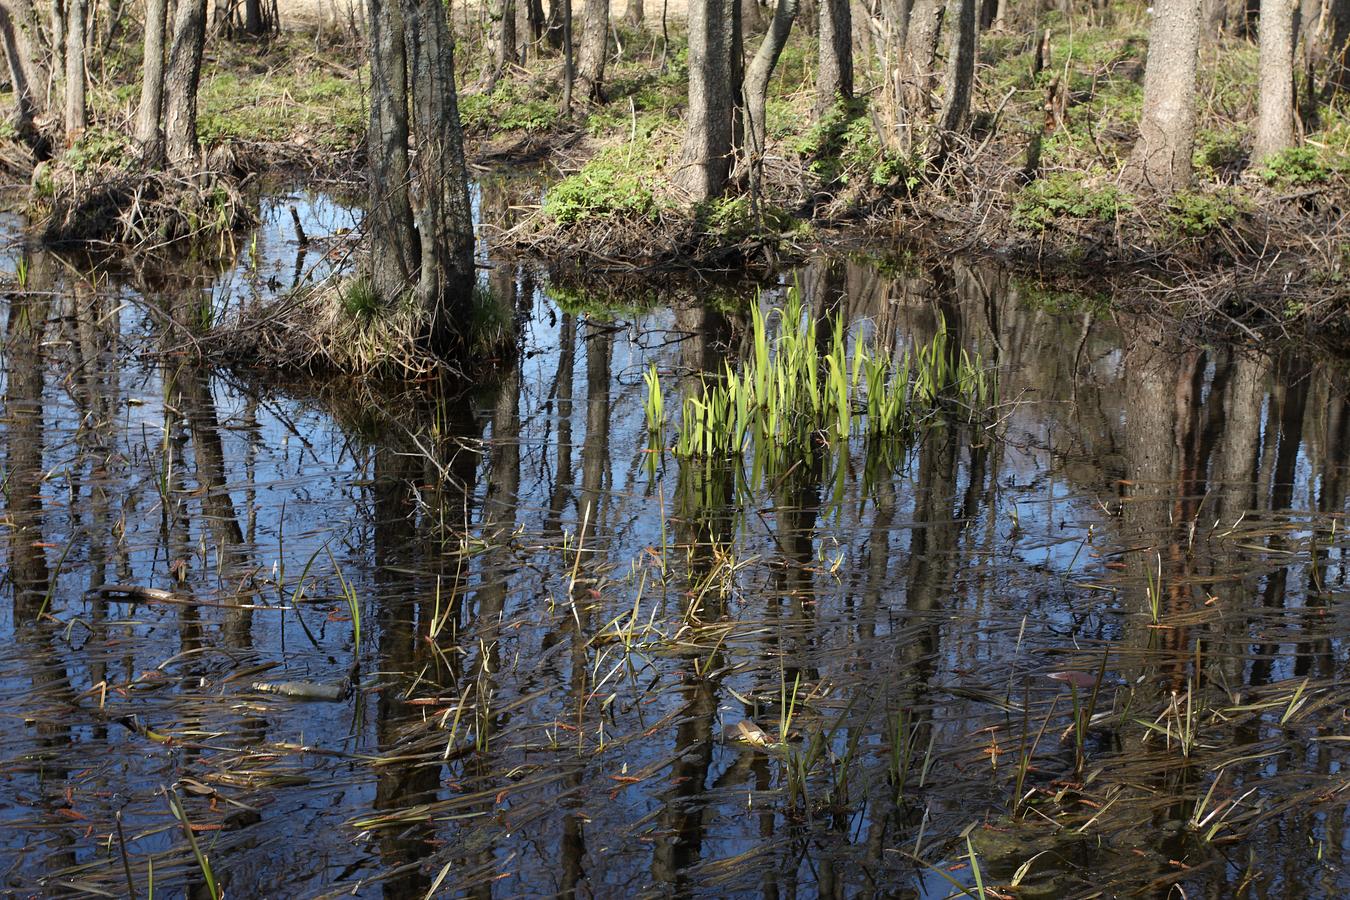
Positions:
(523, 644)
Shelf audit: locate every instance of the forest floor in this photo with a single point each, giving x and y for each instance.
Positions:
(1037, 184)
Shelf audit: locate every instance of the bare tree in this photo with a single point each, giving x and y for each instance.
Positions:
(1275, 127)
(412, 59)
(959, 78)
(390, 225)
(149, 134)
(591, 54)
(918, 69)
(56, 42)
(28, 75)
(501, 38)
(1161, 159)
(1340, 47)
(441, 184)
(76, 111)
(181, 79)
(834, 78)
(756, 90)
(709, 123)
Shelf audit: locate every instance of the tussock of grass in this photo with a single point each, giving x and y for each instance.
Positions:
(344, 326)
(340, 326)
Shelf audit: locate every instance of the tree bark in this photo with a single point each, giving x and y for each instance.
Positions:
(149, 135)
(752, 18)
(1275, 109)
(1161, 159)
(633, 14)
(441, 184)
(180, 84)
(834, 78)
(918, 70)
(501, 38)
(756, 90)
(57, 44)
(707, 147)
(1339, 80)
(393, 236)
(76, 113)
(959, 77)
(28, 76)
(255, 19)
(591, 54)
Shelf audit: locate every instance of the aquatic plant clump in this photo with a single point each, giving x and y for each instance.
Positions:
(789, 395)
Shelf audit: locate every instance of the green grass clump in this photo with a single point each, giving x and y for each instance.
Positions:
(360, 299)
(1064, 195)
(789, 396)
(619, 181)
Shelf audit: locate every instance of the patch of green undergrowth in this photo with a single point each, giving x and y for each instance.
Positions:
(326, 110)
(1065, 195)
(736, 218)
(510, 106)
(619, 181)
(99, 148)
(1299, 167)
(843, 147)
(1197, 214)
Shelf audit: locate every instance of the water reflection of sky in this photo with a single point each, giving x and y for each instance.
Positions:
(1006, 552)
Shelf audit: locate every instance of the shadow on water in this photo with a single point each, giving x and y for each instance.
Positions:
(478, 640)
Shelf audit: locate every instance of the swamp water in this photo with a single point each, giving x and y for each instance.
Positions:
(480, 641)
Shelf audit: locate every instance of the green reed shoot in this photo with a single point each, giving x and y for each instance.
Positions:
(353, 606)
(656, 404)
(789, 395)
(1155, 593)
(176, 807)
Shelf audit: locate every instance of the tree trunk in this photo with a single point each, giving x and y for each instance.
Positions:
(393, 236)
(28, 76)
(441, 184)
(569, 60)
(633, 14)
(1161, 159)
(501, 37)
(1339, 80)
(57, 44)
(891, 24)
(752, 18)
(149, 135)
(959, 77)
(180, 84)
(1275, 110)
(553, 28)
(756, 90)
(918, 70)
(834, 79)
(591, 54)
(76, 113)
(255, 19)
(707, 148)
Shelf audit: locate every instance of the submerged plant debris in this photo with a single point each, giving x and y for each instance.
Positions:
(482, 640)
